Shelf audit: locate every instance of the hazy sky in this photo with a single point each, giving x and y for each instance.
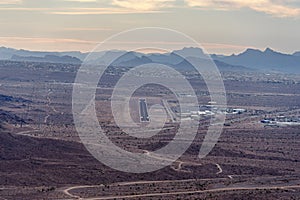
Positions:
(221, 26)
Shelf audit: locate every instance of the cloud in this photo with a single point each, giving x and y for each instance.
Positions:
(276, 8)
(7, 2)
(49, 44)
(98, 11)
(45, 40)
(83, 1)
(145, 5)
(79, 11)
(227, 49)
(87, 29)
(23, 9)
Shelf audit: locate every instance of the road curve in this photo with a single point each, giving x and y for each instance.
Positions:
(189, 192)
(219, 168)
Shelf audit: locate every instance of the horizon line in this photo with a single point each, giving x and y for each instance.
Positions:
(159, 51)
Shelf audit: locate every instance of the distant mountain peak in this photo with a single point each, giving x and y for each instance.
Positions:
(269, 50)
(267, 60)
(192, 49)
(48, 59)
(250, 51)
(273, 52)
(297, 53)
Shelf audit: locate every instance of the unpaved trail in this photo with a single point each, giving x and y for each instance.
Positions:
(66, 191)
(180, 163)
(219, 168)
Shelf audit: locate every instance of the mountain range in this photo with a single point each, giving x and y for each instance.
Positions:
(249, 60)
(268, 60)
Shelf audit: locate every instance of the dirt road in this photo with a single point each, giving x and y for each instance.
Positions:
(67, 191)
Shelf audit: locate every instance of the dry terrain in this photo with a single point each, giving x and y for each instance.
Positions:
(41, 156)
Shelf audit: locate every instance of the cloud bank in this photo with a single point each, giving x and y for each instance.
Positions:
(276, 8)
(8, 2)
(145, 5)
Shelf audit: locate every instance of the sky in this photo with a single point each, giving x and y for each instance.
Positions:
(220, 26)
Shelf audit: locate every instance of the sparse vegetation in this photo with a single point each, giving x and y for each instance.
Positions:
(44, 157)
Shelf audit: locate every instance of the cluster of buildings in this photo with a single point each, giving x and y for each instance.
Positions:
(210, 110)
(281, 121)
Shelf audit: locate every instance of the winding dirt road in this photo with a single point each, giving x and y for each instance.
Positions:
(180, 163)
(219, 168)
(67, 191)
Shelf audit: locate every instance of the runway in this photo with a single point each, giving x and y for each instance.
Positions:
(144, 116)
